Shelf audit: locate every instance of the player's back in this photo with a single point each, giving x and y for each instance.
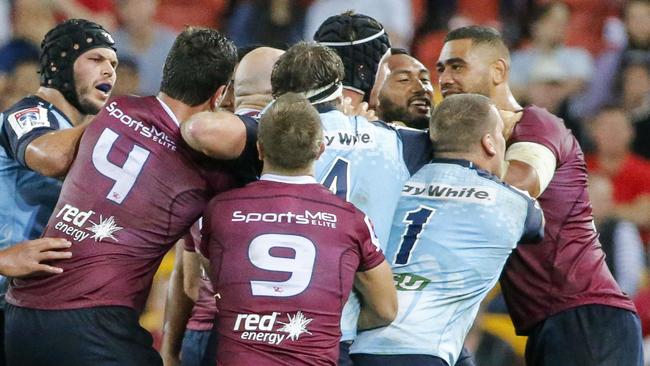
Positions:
(453, 230)
(367, 164)
(283, 259)
(132, 191)
(363, 163)
(568, 268)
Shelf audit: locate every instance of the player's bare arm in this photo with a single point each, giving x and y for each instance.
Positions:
(178, 308)
(191, 274)
(531, 167)
(523, 176)
(378, 297)
(220, 135)
(28, 257)
(52, 154)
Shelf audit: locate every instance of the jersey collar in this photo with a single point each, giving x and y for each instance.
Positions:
(169, 111)
(301, 179)
(461, 162)
(325, 107)
(250, 112)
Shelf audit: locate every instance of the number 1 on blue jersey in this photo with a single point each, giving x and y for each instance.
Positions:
(416, 219)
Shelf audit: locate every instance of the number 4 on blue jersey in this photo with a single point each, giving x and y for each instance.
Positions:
(337, 178)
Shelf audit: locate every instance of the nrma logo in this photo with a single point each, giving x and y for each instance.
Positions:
(484, 195)
(307, 217)
(410, 282)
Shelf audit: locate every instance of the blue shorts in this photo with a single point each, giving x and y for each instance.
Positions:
(101, 336)
(363, 359)
(465, 358)
(196, 347)
(344, 354)
(589, 335)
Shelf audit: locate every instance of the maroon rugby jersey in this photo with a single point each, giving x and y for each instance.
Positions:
(283, 254)
(568, 268)
(133, 190)
(205, 308)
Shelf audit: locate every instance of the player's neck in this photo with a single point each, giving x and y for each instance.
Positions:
(54, 97)
(270, 169)
(473, 157)
(255, 102)
(181, 111)
(503, 98)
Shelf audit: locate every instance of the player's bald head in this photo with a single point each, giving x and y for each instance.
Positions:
(253, 75)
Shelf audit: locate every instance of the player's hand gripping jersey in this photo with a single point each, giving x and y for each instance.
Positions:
(283, 255)
(133, 190)
(453, 230)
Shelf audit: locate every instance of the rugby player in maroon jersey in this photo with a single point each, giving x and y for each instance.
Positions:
(285, 252)
(560, 292)
(133, 190)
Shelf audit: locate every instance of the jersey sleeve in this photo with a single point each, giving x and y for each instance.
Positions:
(543, 128)
(417, 148)
(21, 127)
(534, 224)
(247, 167)
(369, 248)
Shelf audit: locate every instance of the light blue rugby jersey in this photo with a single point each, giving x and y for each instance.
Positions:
(452, 233)
(367, 164)
(26, 198)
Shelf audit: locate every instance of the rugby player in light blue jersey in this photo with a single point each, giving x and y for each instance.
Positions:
(39, 136)
(455, 226)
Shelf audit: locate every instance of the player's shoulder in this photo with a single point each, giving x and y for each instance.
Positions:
(32, 113)
(539, 120)
(332, 117)
(501, 185)
(234, 194)
(249, 118)
(27, 102)
(330, 198)
(131, 101)
(29, 108)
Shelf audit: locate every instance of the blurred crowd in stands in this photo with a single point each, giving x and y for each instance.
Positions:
(587, 61)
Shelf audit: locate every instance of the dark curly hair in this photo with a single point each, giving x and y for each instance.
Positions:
(200, 61)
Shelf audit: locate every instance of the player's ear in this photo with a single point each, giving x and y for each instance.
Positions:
(321, 150)
(487, 142)
(215, 100)
(260, 151)
(499, 70)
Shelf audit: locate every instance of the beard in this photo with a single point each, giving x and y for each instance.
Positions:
(391, 112)
(481, 86)
(86, 104)
(88, 107)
